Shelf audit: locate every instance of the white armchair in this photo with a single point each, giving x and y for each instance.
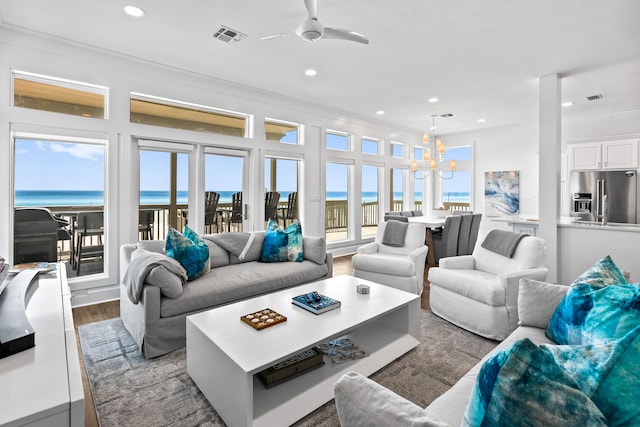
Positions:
(479, 292)
(400, 267)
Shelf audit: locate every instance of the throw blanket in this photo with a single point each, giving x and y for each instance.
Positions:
(503, 242)
(394, 233)
(142, 262)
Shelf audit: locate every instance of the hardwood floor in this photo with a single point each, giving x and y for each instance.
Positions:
(111, 309)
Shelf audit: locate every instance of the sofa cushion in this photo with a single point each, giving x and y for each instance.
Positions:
(362, 402)
(390, 264)
(524, 382)
(537, 301)
(218, 257)
(169, 283)
(240, 247)
(314, 249)
(190, 250)
(240, 281)
(593, 314)
(475, 284)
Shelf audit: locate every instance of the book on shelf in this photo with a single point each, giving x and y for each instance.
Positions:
(315, 302)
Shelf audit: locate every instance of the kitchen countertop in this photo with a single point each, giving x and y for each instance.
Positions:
(612, 226)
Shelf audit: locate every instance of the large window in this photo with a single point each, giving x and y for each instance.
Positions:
(397, 185)
(67, 180)
(224, 203)
(337, 201)
(281, 179)
(370, 205)
(164, 196)
(58, 95)
(455, 193)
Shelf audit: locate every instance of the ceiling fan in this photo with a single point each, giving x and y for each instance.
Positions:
(312, 30)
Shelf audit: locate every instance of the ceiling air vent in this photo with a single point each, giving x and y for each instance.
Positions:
(228, 35)
(447, 115)
(594, 97)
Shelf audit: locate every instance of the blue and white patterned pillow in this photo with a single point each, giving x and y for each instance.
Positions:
(189, 250)
(282, 244)
(604, 272)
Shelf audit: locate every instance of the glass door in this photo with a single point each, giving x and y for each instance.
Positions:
(226, 200)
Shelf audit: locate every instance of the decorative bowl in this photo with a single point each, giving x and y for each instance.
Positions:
(440, 213)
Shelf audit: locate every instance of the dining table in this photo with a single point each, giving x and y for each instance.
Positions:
(429, 223)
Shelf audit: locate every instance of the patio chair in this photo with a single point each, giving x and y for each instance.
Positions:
(291, 211)
(211, 199)
(90, 225)
(271, 200)
(145, 224)
(36, 233)
(235, 215)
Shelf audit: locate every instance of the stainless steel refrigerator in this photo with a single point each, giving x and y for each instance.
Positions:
(589, 188)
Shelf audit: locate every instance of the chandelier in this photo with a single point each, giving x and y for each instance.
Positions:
(434, 155)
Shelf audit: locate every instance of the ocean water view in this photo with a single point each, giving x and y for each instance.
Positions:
(26, 198)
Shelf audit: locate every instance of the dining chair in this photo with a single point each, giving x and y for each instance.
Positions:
(211, 199)
(271, 199)
(465, 232)
(89, 226)
(446, 243)
(291, 211)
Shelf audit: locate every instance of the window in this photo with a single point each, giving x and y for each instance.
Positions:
(164, 183)
(337, 201)
(369, 146)
(281, 176)
(337, 141)
(155, 111)
(224, 174)
(397, 183)
(418, 194)
(281, 131)
(59, 96)
(397, 150)
(77, 187)
(456, 192)
(370, 205)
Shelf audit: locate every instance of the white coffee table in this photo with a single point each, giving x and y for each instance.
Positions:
(224, 353)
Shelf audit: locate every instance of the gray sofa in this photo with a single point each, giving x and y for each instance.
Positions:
(363, 402)
(158, 321)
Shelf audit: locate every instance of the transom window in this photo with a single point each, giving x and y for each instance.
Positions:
(369, 146)
(337, 141)
(276, 130)
(397, 150)
(150, 110)
(58, 95)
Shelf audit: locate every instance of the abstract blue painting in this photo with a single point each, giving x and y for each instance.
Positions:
(502, 193)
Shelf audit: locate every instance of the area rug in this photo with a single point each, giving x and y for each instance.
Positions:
(129, 390)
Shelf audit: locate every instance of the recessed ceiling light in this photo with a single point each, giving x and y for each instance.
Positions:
(134, 11)
(380, 112)
(310, 72)
(432, 100)
(481, 120)
(567, 104)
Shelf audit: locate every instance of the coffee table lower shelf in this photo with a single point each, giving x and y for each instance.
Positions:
(242, 400)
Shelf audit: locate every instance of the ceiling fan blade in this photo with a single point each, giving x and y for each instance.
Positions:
(274, 36)
(336, 33)
(312, 8)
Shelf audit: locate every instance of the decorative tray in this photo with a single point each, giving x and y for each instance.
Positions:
(263, 318)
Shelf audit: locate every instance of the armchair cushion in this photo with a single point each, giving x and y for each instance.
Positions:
(395, 265)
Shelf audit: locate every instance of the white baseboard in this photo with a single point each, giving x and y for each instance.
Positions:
(82, 297)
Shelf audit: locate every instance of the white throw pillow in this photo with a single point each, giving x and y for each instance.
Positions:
(537, 301)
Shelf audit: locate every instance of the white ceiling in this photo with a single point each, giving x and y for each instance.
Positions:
(481, 58)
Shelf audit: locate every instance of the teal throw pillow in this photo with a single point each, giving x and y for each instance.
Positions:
(608, 374)
(595, 314)
(189, 250)
(523, 385)
(282, 244)
(604, 272)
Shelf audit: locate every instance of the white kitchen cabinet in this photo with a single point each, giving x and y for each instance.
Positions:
(620, 154)
(607, 155)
